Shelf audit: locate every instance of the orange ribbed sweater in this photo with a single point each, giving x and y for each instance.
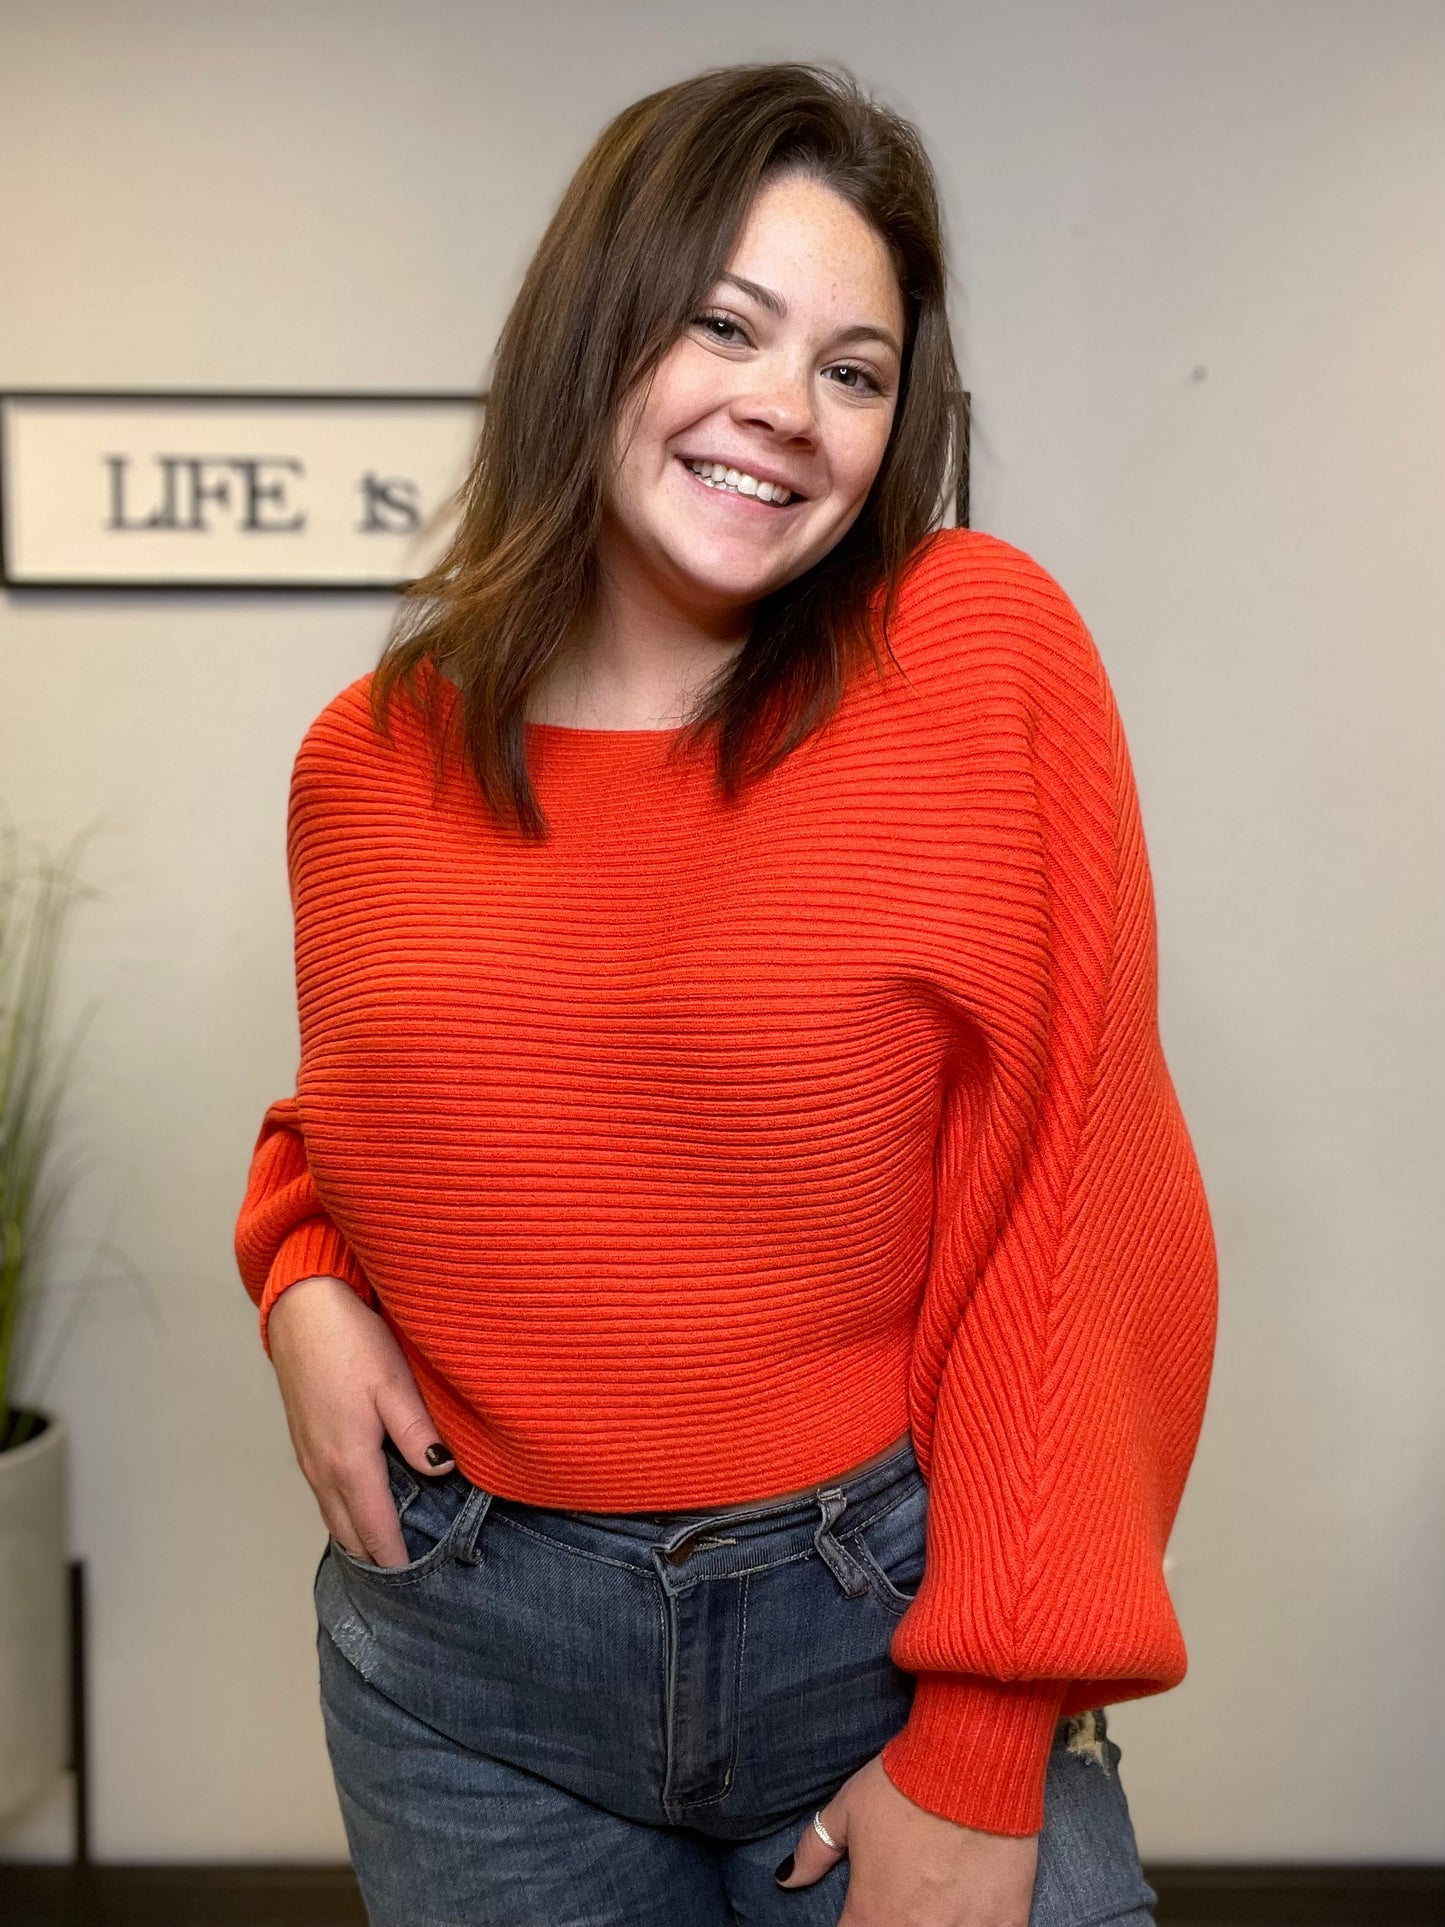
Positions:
(698, 1152)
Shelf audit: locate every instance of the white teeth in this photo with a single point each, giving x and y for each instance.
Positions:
(740, 482)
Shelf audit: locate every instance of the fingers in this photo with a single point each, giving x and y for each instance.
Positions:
(345, 1384)
(368, 1501)
(360, 1513)
(360, 1494)
(411, 1428)
(338, 1523)
(811, 1858)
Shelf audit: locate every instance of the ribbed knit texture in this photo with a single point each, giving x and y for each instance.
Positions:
(700, 1151)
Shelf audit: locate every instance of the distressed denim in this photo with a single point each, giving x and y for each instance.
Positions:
(554, 1718)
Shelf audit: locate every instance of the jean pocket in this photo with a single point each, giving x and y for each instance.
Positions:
(427, 1511)
(890, 1544)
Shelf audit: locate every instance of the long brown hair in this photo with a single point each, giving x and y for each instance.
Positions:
(642, 232)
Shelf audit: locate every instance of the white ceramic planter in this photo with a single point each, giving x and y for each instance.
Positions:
(34, 1617)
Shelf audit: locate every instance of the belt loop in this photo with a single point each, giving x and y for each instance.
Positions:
(462, 1539)
(832, 1503)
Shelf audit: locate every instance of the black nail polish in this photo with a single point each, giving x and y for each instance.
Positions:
(784, 1869)
(437, 1454)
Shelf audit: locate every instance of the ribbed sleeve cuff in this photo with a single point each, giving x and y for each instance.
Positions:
(977, 1750)
(314, 1249)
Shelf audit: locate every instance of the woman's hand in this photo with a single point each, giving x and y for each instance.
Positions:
(908, 1867)
(344, 1382)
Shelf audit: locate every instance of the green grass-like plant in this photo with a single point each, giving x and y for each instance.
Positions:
(37, 893)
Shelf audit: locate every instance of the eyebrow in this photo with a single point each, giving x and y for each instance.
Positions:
(775, 304)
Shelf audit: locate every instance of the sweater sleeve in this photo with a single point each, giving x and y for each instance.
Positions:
(283, 1233)
(1065, 1341)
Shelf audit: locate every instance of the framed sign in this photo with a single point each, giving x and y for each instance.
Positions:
(163, 490)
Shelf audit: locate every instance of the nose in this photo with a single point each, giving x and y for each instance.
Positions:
(781, 401)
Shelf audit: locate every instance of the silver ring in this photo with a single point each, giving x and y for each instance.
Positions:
(823, 1833)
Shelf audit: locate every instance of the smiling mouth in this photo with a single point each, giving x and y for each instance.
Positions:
(737, 481)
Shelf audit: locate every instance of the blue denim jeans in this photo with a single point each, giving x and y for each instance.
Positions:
(575, 1719)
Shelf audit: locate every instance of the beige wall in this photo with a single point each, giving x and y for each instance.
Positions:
(1201, 308)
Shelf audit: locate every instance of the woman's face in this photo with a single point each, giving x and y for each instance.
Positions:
(789, 380)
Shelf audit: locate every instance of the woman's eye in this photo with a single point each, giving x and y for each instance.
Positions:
(866, 383)
(711, 321)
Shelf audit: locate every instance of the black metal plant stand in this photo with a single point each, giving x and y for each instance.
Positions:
(79, 1761)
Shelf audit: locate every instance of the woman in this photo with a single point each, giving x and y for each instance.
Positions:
(731, 1114)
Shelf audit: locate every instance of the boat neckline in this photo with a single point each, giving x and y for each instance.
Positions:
(578, 730)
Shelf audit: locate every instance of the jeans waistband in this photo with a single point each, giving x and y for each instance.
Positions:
(632, 1535)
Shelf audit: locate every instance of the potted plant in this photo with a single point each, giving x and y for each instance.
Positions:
(35, 897)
